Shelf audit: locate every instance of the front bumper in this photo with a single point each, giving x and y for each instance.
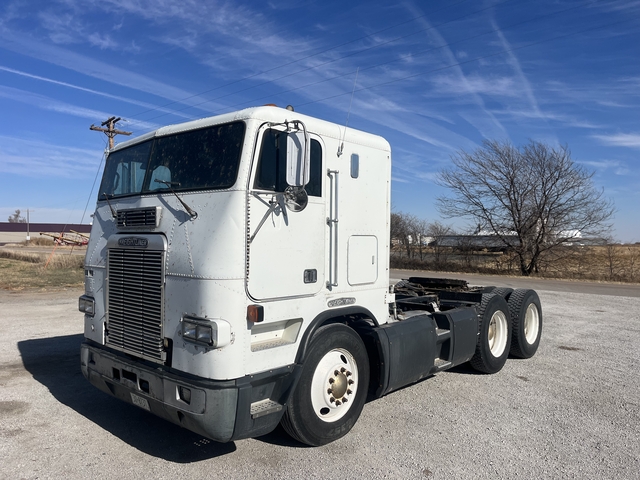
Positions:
(220, 410)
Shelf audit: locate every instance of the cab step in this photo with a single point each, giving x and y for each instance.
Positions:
(441, 364)
(264, 407)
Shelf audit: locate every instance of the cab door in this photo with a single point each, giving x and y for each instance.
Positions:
(286, 249)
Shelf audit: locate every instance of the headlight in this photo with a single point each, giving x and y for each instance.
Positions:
(214, 333)
(204, 334)
(87, 305)
(189, 330)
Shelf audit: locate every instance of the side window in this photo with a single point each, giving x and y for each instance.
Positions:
(314, 187)
(271, 171)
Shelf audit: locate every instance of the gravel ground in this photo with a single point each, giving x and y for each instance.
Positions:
(572, 411)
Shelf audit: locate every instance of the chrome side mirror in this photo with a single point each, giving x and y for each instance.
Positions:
(298, 158)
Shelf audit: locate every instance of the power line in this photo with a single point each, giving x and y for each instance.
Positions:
(315, 67)
(250, 102)
(304, 58)
(94, 182)
(467, 61)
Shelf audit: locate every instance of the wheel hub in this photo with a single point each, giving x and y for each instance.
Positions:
(339, 384)
(334, 385)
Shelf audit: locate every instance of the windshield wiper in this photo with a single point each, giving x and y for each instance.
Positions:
(114, 214)
(189, 210)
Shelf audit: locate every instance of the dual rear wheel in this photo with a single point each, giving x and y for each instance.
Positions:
(510, 322)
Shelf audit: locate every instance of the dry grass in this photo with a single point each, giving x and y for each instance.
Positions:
(21, 270)
(611, 263)
(40, 241)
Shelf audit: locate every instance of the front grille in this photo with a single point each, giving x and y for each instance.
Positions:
(138, 217)
(135, 291)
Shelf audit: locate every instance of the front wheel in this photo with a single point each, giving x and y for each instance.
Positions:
(332, 389)
(494, 334)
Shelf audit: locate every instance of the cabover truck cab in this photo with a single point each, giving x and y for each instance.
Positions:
(237, 277)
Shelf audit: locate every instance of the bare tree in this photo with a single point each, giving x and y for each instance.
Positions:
(464, 246)
(632, 263)
(411, 232)
(17, 218)
(612, 258)
(533, 198)
(401, 231)
(438, 231)
(418, 228)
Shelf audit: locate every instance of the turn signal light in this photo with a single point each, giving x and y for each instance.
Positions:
(255, 313)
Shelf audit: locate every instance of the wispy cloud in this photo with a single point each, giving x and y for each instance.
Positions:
(622, 92)
(616, 166)
(620, 5)
(631, 140)
(47, 103)
(493, 85)
(566, 120)
(24, 44)
(525, 86)
(34, 158)
(62, 28)
(489, 126)
(94, 92)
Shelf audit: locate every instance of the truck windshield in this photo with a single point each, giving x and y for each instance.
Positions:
(207, 158)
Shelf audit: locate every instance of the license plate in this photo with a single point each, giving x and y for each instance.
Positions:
(140, 402)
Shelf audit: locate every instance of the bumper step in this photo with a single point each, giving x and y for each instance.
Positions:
(264, 407)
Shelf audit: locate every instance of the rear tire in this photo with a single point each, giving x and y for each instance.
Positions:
(504, 292)
(332, 389)
(526, 322)
(494, 334)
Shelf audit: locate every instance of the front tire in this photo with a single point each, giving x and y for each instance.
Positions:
(332, 389)
(494, 334)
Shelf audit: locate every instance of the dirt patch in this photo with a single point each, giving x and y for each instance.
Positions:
(12, 432)
(10, 371)
(13, 407)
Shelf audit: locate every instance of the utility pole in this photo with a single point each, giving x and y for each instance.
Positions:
(110, 130)
(28, 233)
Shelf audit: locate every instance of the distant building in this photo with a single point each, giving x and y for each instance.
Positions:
(17, 232)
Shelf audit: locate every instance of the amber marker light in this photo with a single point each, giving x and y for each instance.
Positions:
(255, 313)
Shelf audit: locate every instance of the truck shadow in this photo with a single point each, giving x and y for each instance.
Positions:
(55, 363)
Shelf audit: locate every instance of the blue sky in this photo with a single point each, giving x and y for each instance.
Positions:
(433, 77)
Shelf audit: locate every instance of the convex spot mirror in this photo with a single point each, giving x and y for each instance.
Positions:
(296, 198)
(297, 159)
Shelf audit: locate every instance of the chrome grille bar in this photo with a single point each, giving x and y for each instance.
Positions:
(134, 304)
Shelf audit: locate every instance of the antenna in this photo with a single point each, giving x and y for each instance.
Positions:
(341, 147)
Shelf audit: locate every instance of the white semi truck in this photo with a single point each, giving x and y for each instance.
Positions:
(237, 277)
